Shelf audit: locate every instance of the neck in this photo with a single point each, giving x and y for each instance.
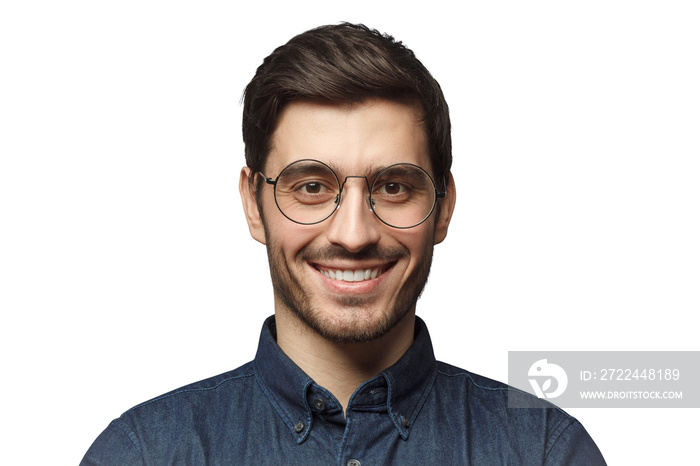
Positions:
(341, 367)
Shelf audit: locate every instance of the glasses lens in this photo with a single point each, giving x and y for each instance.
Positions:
(403, 195)
(307, 191)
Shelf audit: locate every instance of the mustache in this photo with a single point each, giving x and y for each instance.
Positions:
(334, 251)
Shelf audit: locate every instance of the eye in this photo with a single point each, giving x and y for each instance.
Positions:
(392, 188)
(311, 192)
(311, 188)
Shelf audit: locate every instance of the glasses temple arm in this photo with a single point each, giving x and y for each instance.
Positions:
(442, 194)
(268, 180)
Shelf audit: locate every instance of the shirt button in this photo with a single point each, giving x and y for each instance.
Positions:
(299, 427)
(320, 404)
(354, 462)
(406, 423)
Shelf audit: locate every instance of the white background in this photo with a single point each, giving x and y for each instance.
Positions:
(126, 268)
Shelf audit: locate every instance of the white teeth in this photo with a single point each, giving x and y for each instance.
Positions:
(351, 275)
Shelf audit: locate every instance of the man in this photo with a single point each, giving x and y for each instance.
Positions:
(348, 184)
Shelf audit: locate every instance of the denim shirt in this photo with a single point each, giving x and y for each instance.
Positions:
(418, 411)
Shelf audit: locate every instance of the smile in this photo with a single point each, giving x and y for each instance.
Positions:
(351, 275)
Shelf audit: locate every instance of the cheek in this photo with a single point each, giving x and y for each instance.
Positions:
(288, 238)
(282, 235)
(417, 240)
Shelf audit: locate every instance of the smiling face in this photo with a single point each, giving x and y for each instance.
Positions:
(350, 278)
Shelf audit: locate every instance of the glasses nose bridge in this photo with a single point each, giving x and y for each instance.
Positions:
(342, 185)
(367, 196)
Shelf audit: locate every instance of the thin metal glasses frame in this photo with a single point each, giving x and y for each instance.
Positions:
(370, 201)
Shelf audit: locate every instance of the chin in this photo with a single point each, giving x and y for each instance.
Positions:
(349, 319)
(352, 326)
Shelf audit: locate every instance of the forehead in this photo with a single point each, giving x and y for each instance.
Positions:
(355, 138)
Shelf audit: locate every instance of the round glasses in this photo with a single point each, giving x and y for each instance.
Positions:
(308, 192)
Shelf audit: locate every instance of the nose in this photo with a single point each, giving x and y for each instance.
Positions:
(354, 226)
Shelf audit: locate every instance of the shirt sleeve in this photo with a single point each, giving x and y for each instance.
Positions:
(116, 446)
(575, 447)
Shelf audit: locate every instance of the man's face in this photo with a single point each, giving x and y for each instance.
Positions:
(355, 140)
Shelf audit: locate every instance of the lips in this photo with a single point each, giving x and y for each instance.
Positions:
(343, 267)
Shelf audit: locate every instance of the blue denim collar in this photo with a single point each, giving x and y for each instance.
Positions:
(400, 390)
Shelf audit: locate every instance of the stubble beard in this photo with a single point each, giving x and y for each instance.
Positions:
(360, 326)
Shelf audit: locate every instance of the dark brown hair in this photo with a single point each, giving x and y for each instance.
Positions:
(345, 63)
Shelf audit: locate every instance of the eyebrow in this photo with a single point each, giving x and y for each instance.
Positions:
(304, 168)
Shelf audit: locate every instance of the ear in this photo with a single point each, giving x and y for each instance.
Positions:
(447, 207)
(246, 186)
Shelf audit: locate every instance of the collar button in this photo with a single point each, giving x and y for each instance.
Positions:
(320, 404)
(299, 427)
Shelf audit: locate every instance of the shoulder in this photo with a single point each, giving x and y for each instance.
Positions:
(489, 390)
(155, 427)
(227, 382)
(484, 394)
(515, 418)
(206, 401)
